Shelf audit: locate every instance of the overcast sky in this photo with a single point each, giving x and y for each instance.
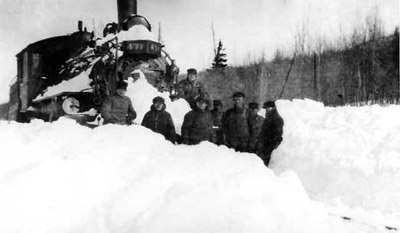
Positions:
(247, 28)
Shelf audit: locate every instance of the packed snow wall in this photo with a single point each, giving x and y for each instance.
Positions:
(127, 178)
(343, 155)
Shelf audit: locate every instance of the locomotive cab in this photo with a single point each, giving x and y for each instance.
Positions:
(39, 66)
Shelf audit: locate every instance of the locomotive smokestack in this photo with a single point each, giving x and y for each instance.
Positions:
(125, 9)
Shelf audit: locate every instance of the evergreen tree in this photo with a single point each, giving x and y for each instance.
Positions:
(220, 57)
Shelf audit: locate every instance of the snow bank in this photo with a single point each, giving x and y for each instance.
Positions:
(344, 156)
(62, 177)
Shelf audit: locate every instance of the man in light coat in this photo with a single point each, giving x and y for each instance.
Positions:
(190, 89)
(117, 108)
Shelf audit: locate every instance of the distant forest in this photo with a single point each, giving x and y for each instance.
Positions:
(360, 69)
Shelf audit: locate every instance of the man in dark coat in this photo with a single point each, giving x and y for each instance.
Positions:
(190, 89)
(159, 120)
(197, 124)
(270, 136)
(236, 126)
(117, 108)
(255, 123)
(217, 120)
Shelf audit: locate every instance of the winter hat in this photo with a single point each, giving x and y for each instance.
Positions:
(238, 94)
(253, 105)
(122, 85)
(158, 99)
(269, 104)
(192, 71)
(200, 99)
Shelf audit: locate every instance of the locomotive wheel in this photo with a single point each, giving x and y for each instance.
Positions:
(70, 105)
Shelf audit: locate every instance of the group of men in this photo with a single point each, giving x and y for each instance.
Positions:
(239, 127)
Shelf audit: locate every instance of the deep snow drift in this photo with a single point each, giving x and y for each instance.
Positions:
(62, 177)
(127, 179)
(344, 156)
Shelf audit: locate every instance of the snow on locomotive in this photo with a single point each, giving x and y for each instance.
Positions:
(71, 75)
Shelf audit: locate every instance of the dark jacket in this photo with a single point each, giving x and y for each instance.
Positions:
(255, 123)
(118, 109)
(217, 125)
(217, 117)
(271, 132)
(197, 127)
(190, 91)
(160, 122)
(236, 128)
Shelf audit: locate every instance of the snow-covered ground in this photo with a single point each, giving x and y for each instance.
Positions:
(63, 177)
(348, 157)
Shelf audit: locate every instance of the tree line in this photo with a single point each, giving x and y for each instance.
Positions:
(357, 69)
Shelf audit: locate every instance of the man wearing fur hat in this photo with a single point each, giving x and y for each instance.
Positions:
(190, 88)
(159, 120)
(198, 124)
(270, 136)
(117, 108)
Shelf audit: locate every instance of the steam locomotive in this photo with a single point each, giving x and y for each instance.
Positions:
(47, 68)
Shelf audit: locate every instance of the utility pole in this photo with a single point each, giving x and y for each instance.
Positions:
(287, 75)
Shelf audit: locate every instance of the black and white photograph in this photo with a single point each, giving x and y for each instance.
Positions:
(184, 116)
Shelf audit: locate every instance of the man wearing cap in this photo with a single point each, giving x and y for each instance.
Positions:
(190, 89)
(197, 124)
(159, 120)
(255, 123)
(117, 108)
(217, 120)
(236, 126)
(271, 132)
